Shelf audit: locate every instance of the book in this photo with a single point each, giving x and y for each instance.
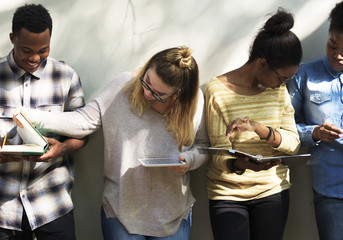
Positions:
(256, 158)
(34, 142)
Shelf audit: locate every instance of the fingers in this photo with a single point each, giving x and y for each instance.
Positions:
(232, 127)
(179, 169)
(237, 126)
(328, 132)
(17, 122)
(246, 163)
(8, 158)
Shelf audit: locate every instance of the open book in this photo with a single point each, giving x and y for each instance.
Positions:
(34, 142)
(256, 158)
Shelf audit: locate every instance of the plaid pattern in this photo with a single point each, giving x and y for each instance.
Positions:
(43, 189)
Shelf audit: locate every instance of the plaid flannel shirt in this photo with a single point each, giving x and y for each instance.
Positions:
(42, 189)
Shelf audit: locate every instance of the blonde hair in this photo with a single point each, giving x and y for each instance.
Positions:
(178, 69)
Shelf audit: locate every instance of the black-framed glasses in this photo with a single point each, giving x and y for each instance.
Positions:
(283, 80)
(155, 95)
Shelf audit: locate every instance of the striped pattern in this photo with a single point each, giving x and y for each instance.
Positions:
(270, 108)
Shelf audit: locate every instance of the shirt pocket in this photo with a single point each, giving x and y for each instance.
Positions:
(6, 112)
(318, 98)
(6, 122)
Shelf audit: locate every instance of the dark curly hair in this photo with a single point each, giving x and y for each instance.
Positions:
(34, 18)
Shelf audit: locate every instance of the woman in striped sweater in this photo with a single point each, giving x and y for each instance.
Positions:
(249, 109)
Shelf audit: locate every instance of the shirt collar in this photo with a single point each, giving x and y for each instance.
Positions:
(18, 71)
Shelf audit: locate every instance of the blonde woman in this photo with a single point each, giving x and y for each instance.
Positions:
(157, 113)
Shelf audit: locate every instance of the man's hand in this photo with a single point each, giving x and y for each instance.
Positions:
(8, 158)
(58, 149)
(326, 132)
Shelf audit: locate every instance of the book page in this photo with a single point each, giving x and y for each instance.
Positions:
(28, 133)
(29, 149)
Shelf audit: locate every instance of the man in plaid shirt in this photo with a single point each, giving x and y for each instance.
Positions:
(35, 192)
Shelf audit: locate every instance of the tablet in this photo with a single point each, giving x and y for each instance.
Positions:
(161, 162)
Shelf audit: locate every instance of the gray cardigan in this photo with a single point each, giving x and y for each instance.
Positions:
(147, 201)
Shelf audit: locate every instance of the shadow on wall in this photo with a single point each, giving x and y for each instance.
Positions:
(314, 45)
(102, 38)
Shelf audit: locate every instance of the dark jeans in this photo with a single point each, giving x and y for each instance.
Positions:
(61, 228)
(329, 216)
(260, 219)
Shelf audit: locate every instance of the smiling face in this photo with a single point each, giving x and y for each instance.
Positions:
(334, 50)
(30, 49)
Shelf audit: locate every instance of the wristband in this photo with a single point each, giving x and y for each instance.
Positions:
(269, 134)
(233, 169)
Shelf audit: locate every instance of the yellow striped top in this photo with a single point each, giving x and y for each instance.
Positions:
(270, 108)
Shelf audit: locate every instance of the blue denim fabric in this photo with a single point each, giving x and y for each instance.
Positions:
(316, 94)
(112, 229)
(329, 216)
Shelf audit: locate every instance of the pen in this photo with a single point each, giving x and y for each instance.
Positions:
(3, 144)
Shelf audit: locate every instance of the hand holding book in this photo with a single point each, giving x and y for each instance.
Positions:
(35, 143)
(256, 158)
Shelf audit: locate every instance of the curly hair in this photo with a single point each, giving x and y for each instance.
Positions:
(34, 18)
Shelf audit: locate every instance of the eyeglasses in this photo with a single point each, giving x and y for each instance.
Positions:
(155, 95)
(283, 80)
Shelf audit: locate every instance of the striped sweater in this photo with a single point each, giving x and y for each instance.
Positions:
(270, 108)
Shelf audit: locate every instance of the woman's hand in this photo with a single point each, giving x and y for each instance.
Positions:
(243, 163)
(240, 125)
(180, 169)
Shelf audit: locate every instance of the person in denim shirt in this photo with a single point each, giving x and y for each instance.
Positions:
(317, 97)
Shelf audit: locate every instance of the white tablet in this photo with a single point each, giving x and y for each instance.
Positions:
(161, 162)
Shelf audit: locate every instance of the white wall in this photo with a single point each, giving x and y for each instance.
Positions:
(102, 38)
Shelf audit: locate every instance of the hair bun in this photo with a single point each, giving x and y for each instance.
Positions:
(279, 23)
(185, 57)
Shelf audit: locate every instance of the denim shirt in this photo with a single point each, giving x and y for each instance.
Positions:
(316, 95)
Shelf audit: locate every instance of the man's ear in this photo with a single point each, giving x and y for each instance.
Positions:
(12, 37)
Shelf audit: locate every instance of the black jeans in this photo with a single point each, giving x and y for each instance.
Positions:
(260, 219)
(61, 228)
